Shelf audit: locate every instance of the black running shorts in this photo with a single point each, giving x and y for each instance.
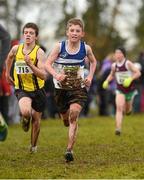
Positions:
(38, 98)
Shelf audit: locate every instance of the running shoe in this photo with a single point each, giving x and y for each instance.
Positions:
(69, 156)
(66, 122)
(25, 124)
(33, 149)
(3, 129)
(117, 132)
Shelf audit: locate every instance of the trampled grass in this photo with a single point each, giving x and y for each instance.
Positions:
(99, 154)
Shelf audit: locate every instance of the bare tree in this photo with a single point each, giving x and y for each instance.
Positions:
(17, 12)
(4, 11)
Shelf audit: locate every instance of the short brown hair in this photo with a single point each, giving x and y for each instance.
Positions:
(75, 21)
(33, 26)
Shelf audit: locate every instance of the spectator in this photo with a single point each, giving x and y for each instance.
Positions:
(4, 86)
(106, 98)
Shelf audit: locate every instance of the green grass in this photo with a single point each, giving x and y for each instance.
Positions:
(98, 152)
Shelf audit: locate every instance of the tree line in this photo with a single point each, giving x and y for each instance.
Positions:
(101, 18)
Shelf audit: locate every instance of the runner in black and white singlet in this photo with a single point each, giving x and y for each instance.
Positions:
(124, 72)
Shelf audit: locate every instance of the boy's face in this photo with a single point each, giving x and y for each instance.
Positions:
(74, 33)
(29, 35)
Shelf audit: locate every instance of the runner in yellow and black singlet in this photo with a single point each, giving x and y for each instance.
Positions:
(29, 76)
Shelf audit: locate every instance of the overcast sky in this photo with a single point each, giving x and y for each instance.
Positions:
(124, 22)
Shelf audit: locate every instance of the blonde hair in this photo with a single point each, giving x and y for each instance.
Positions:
(75, 21)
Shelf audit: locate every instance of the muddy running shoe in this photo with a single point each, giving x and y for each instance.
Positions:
(129, 113)
(25, 124)
(3, 129)
(69, 156)
(66, 122)
(117, 132)
(33, 149)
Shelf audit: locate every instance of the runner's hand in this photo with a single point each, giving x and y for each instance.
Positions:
(127, 82)
(105, 84)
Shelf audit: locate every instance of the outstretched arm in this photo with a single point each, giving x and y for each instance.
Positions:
(50, 60)
(9, 62)
(92, 69)
(135, 74)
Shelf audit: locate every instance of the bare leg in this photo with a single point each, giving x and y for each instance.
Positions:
(65, 118)
(35, 127)
(120, 104)
(129, 107)
(26, 112)
(25, 107)
(75, 110)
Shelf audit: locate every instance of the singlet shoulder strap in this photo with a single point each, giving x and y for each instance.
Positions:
(19, 49)
(62, 46)
(83, 46)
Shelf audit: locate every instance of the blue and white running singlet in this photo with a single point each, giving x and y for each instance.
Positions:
(71, 64)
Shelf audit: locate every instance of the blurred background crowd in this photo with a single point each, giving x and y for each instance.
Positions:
(108, 24)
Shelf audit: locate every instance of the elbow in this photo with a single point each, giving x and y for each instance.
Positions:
(44, 77)
(95, 64)
(139, 74)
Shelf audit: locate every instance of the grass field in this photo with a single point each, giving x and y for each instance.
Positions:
(98, 152)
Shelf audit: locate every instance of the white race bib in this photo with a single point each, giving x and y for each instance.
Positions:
(121, 76)
(74, 76)
(22, 68)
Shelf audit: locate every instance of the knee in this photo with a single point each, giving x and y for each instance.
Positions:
(120, 108)
(25, 113)
(73, 115)
(36, 122)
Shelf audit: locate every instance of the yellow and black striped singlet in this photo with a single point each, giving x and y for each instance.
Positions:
(24, 78)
